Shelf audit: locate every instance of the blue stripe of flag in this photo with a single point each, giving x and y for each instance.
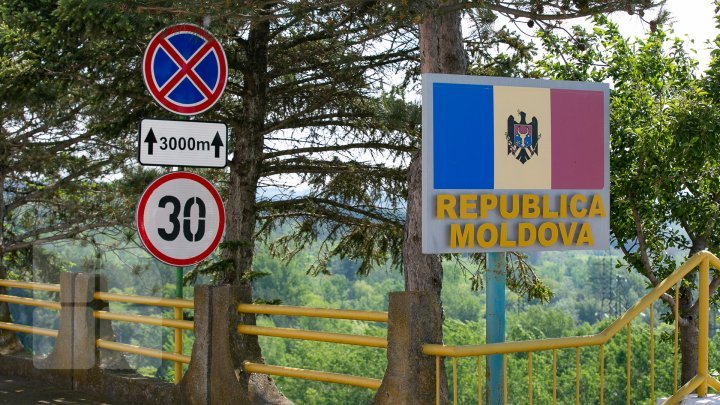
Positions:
(463, 153)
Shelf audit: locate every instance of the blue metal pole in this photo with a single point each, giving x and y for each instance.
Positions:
(495, 324)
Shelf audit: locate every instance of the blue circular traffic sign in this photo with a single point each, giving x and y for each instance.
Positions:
(185, 69)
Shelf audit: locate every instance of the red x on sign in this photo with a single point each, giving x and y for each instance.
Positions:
(185, 69)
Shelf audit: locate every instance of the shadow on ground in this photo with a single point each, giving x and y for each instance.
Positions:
(21, 391)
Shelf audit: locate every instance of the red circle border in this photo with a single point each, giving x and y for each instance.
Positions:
(140, 218)
(150, 83)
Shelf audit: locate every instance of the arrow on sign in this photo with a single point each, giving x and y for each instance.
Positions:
(150, 140)
(217, 143)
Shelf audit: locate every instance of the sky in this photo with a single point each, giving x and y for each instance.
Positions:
(692, 20)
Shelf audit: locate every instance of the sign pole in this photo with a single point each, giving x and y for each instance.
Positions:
(495, 324)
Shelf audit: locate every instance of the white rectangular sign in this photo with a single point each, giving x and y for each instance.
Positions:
(182, 143)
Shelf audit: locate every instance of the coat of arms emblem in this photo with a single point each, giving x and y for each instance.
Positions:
(522, 138)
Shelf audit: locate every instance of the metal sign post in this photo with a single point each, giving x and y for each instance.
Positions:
(495, 279)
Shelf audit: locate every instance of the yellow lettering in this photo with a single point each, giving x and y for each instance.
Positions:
(542, 234)
(585, 237)
(566, 235)
(488, 202)
(504, 242)
(547, 213)
(596, 207)
(526, 234)
(445, 206)
(530, 206)
(458, 239)
(492, 240)
(467, 206)
(563, 206)
(574, 211)
(504, 211)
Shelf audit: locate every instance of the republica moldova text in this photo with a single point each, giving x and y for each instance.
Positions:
(514, 208)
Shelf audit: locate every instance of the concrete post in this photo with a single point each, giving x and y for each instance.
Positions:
(61, 358)
(216, 374)
(414, 319)
(88, 360)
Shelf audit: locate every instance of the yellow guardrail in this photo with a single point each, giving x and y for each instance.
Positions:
(30, 286)
(11, 299)
(178, 324)
(703, 260)
(147, 320)
(368, 341)
(312, 375)
(28, 329)
(286, 310)
(143, 351)
(143, 300)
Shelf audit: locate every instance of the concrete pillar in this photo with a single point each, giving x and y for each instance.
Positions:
(216, 374)
(88, 360)
(61, 358)
(414, 319)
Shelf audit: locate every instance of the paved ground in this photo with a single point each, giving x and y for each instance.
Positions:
(21, 391)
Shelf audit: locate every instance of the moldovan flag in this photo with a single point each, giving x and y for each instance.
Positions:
(517, 138)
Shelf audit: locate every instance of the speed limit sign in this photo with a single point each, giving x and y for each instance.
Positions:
(180, 218)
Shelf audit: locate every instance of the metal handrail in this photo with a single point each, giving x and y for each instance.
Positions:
(143, 351)
(139, 299)
(312, 375)
(29, 285)
(358, 340)
(576, 341)
(29, 329)
(147, 320)
(30, 302)
(287, 310)
(700, 382)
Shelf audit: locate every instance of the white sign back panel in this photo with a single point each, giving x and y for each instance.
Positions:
(182, 143)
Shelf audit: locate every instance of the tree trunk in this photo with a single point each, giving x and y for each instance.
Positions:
(689, 349)
(9, 342)
(441, 51)
(241, 208)
(689, 330)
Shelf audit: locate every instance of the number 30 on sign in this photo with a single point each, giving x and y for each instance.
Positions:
(180, 218)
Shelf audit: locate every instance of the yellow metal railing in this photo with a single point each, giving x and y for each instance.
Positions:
(178, 324)
(358, 340)
(11, 299)
(704, 260)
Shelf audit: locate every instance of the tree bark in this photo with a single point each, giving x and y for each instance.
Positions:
(688, 340)
(9, 342)
(441, 51)
(241, 207)
(688, 328)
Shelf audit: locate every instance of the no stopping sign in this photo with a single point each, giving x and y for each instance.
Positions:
(185, 69)
(180, 218)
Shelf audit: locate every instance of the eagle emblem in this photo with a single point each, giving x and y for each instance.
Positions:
(522, 138)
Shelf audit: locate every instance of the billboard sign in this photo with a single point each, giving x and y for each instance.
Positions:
(514, 164)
